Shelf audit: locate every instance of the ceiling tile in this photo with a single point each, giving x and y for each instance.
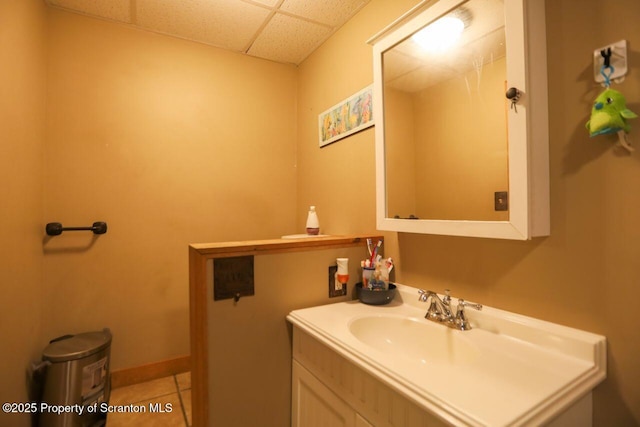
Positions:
(329, 12)
(117, 10)
(288, 39)
(270, 3)
(229, 24)
(279, 30)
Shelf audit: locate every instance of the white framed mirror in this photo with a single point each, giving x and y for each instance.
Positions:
(454, 156)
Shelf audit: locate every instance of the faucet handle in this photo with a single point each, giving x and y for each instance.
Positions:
(447, 296)
(462, 304)
(424, 295)
(461, 318)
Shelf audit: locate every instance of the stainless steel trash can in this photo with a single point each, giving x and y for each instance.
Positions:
(77, 381)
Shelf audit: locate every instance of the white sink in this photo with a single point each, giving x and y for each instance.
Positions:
(418, 340)
(466, 377)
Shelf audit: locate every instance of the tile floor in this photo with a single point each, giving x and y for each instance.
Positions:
(172, 394)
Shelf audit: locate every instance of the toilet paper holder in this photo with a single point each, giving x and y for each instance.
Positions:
(55, 228)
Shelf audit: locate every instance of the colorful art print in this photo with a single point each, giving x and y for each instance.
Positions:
(347, 117)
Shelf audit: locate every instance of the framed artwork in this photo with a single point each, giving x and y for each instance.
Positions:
(347, 117)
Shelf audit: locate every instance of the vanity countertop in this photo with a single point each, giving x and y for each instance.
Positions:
(508, 370)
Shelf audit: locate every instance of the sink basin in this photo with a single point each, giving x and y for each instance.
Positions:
(543, 370)
(416, 339)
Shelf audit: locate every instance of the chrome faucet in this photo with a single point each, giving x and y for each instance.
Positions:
(440, 310)
(461, 322)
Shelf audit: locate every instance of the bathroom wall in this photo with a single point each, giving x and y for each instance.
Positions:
(340, 178)
(170, 142)
(250, 382)
(585, 274)
(22, 109)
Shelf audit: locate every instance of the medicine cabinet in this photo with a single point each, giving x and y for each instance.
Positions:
(462, 130)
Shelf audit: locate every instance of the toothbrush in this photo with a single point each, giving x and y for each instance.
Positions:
(375, 251)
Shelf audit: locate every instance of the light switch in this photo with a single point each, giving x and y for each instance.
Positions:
(501, 201)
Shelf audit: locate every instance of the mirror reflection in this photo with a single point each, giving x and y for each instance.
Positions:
(445, 116)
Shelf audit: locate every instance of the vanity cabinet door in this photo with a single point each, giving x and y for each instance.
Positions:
(454, 154)
(315, 405)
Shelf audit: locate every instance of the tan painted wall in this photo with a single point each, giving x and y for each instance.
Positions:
(22, 110)
(585, 274)
(170, 142)
(250, 341)
(340, 178)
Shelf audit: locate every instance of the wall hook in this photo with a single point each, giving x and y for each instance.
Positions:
(611, 59)
(606, 54)
(55, 228)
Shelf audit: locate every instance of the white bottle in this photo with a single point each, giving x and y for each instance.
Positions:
(313, 226)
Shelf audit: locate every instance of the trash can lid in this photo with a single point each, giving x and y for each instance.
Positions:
(77, 346)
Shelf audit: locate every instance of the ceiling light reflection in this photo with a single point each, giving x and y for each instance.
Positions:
(439, 36)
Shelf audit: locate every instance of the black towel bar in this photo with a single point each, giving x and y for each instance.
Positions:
(55, 228)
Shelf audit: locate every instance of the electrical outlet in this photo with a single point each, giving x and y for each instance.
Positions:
(341, 289)
(501, 201)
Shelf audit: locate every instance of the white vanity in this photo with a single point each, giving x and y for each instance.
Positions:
(362, 365)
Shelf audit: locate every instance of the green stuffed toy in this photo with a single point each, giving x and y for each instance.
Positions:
(609, 114)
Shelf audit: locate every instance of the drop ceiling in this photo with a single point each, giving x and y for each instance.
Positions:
(284, 31)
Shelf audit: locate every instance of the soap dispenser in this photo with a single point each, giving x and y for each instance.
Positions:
(313, 226)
